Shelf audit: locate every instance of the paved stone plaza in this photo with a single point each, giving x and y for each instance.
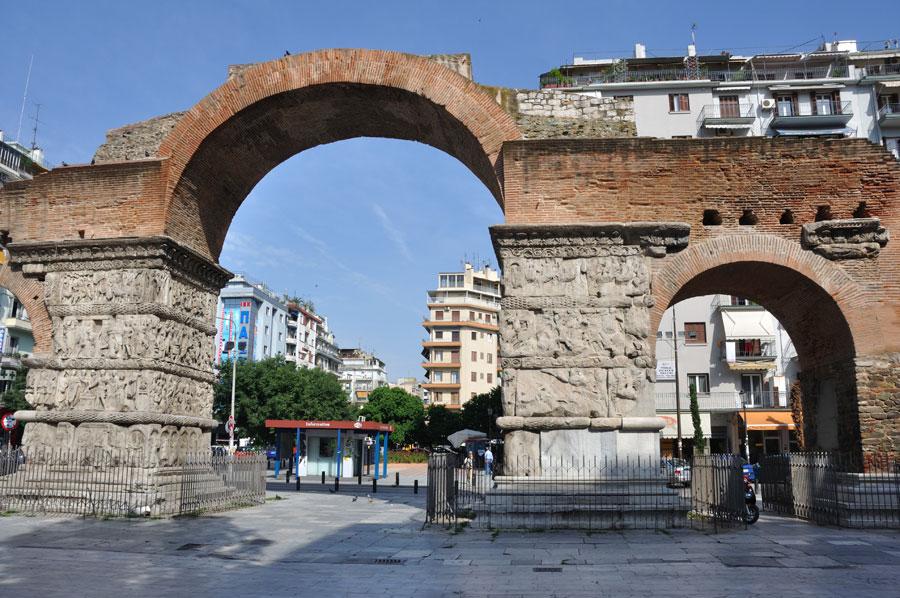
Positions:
(319, 544)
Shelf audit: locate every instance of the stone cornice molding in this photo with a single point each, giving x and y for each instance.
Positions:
(852, 238)
(163, 312)
(599, 424)
(121, 418)
(38, 258)
(656, 239)
(103, 363)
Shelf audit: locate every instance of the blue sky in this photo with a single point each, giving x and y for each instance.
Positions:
(361, 226)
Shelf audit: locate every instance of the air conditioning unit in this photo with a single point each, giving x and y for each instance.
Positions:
(767, 104)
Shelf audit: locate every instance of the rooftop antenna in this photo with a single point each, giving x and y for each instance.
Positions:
(24, 98)
(37, 113)
(694, 33)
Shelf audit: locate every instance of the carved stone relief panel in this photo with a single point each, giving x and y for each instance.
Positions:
(118, 390)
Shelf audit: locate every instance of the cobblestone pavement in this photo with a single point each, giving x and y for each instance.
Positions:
(318, 544)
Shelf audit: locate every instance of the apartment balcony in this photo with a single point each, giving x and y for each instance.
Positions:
(727, 116)
(479, 324)
(722, 401)
(817, 115)
(801, 72)
(883, 71)
(441, 344)
(441, 365)
(17, 324)
(889, 115)
(441, 385)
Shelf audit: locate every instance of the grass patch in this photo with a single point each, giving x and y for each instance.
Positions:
(274, 498)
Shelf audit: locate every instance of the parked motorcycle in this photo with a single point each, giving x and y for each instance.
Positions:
(751, 511)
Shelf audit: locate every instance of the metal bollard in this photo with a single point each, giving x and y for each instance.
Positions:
(337, 484)
(323, 477)
(374, 485)
(396, 478)
(415, 486)
(359, 478)
(297, 487)
(287, 475)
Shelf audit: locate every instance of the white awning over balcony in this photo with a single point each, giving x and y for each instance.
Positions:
(746, 324)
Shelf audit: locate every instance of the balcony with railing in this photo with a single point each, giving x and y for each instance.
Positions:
(730, 116)
(751, 349)
(883, 70)
(816, 114)
(889, 115)
(723, 401)
(757, 72)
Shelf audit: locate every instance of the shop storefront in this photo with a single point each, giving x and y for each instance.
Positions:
(769, 432)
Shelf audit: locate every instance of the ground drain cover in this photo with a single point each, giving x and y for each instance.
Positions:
(388, 561)
(547, 569)
(190, 546)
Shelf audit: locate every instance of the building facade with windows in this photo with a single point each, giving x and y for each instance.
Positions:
(413, 386)
(461, 346)
(303, 328)
(361, 372)
(739, 359)
(834, 91)
(254, 317)
(16, 340)
(18, 163)
(328, 355)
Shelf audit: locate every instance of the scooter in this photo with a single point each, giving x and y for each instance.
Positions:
(751, 511)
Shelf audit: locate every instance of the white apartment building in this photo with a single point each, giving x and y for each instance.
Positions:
(328, 356)
(302, 336)
(253, 316)
(18, 163)
(461, 349)
(16, 340)
(736, 355)
(834, 91)
(360, 373)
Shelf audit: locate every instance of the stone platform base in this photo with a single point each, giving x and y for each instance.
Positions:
(546, 503)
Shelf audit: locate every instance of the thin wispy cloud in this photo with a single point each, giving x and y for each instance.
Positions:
(355, 277)
(242, 250)
(392, 232)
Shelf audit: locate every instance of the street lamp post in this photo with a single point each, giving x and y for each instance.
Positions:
(746, 427)
(679, 449)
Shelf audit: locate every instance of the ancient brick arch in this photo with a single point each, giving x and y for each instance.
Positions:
(31, 293)
(267, 112)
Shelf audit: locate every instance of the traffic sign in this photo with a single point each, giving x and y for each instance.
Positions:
(8, 422)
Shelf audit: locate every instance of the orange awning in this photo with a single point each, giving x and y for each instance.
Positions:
(770, 420)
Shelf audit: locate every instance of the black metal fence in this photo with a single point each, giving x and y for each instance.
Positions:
(832, 489)
(124, 483)
(587, 493)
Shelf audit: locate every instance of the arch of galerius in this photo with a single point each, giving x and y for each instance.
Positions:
(602, 231)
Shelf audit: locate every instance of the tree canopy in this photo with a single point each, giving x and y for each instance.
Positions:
(276, 389)
(14, 397)
(397, 407)
(481, 412)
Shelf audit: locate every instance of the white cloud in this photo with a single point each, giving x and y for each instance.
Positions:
(392, 232)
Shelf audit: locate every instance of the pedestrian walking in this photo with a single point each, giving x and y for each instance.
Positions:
(469, 465)
(488, 461)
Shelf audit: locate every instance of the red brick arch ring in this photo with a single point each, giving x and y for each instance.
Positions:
(824, 311)
(30, 292)
(268, 112)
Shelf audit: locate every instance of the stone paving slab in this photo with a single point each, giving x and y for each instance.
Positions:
(318, 544)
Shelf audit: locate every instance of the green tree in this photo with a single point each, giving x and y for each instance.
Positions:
(275, 389)
(441, 422)
(481, 412)
(397, 407)
(14, 397)
(699, 439)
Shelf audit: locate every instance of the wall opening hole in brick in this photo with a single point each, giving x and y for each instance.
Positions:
(787, 217)
(823, 213)
(862, 211)
(81, 234)
(712, 218)
(748, 218)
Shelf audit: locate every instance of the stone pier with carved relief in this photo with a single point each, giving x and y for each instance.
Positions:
(131, 365)
(576, 347)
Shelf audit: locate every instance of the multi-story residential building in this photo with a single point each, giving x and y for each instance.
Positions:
(303, 331)
(17, 162)
(16, 340)
(834, 91)
(736, 355)
(328, 356)
(253, 316)
(361, 372)
(461, 349)
(413, 387)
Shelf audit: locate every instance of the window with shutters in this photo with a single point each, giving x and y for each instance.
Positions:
(679, 102)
